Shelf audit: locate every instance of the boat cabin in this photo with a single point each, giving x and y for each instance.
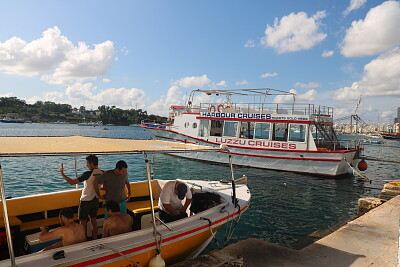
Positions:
(278, 126)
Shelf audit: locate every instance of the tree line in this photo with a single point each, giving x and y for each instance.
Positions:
(47, 111)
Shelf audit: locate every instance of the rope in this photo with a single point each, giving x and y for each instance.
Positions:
(232, 227)
(359, 174)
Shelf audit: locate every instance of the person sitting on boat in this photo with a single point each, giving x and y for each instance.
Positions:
(69, 231)
(170, 203)
(117, 222)
(89, 203)
(114, 183)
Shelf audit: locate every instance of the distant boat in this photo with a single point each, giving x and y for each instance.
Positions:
(391, 136)
(372, 141)
(59, 122)
(90, 123)
(11, 120)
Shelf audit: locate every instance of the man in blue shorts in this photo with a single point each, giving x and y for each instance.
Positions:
(114, 183)
(89, 202)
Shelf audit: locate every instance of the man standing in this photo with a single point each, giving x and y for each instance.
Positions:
(170, 203)
(89, 203)
(69, 231)
(114, 183)
(117, 222)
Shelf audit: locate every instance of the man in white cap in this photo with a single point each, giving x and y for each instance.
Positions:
(170, 203)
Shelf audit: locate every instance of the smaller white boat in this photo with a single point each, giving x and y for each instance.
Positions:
(90, 123)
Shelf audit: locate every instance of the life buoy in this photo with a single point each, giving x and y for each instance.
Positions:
(219, 107)
(211, 108)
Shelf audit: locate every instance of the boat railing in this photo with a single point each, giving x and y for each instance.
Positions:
(264, 108)
(323, 144)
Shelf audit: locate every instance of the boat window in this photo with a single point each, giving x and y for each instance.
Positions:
(262, 130)
(246, 129)
(280, 131)
(194, 125)
(297, 132)
(216, 128)
(230, 128)
(203, 128)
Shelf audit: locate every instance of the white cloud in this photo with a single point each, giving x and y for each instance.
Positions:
(327, 53)
(7, 95)
(105, 80)
(83, 63)
(161, 107)
(354, 4)
(307, 85)
(80, 94)
(378, 32)
(244, 82)
(220, 84)
(122, 97)
(267, 75)
(124, 51)
(294, 32)
(54, 96)
(54, 52)
(29, 59)
(193, 81)
(250, 43)
(309, 96)
(381, 78)
(80, 91)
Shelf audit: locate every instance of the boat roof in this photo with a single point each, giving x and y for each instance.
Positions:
(244, 92)
(31, 146)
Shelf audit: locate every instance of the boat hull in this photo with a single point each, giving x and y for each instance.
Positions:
(187, 237)
(324, 163)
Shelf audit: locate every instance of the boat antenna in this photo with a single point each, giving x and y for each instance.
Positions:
(6, 221)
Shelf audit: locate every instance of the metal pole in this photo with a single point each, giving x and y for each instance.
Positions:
(153, 216)
(234, 200)
(6, 221)
(76, 171)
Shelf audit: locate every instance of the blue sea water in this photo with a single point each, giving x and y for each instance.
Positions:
(285, 207)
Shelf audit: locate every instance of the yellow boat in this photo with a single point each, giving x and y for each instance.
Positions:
(214, 204)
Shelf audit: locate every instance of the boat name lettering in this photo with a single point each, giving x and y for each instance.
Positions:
(250, 116)
(257, 143)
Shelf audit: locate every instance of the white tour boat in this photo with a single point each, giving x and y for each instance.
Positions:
(214, 205)
(286, 137)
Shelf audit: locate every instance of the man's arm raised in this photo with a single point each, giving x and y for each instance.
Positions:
(69, 180)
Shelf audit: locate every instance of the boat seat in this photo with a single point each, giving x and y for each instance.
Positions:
(14, 221)
(49, 221)
(141, 206)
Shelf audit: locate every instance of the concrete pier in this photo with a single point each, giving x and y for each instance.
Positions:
(370, 240)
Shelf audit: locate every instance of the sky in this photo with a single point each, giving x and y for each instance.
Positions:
(152, 54)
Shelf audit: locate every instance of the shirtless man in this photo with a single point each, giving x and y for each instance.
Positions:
(117, 223)
(69, 231)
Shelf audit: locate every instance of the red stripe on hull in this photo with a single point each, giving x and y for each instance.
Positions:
(279, 157)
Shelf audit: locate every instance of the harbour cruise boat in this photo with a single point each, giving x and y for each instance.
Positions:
(151, 242)
(286, 137)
